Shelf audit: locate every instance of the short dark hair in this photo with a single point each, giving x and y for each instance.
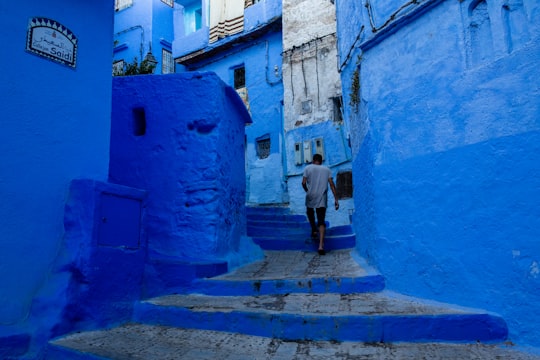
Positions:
(317, 158)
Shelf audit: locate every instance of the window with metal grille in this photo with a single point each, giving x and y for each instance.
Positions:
(239, 77)
(122, 4)
(344, 185)
(263, 147)
(167, 62)
(168, 2)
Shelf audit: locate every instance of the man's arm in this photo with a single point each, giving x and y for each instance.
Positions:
(333, 188)
(304, 184)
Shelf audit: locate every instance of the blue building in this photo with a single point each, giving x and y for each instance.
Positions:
(444, 110)
(289, 82)
(250, 62)
(242, 46)
(440, 105)
(144, 30)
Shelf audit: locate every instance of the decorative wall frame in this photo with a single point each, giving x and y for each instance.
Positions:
(50, 39)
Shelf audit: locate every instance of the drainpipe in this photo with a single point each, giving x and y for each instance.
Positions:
(285, 170)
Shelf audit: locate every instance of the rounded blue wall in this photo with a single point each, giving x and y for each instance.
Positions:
(188, 154)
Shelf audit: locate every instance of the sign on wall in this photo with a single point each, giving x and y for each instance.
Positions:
(50, 39)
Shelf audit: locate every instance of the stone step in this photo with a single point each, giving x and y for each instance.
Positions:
(268, 209)
(366, 317)
(151, 342)
(284, 218)
(269, 228)
(299, 237)
(304, 242)
(282, 272)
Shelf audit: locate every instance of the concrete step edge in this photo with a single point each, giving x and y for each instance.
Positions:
(367, 328)
(141, 340)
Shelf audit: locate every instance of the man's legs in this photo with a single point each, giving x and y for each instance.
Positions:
(321, 218)
(311, 217)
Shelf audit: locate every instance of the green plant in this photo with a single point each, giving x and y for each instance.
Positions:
(354, 96)
(145, 67)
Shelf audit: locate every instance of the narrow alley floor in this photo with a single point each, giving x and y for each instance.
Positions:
(145, 342)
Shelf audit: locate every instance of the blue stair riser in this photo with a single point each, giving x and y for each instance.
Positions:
(278, 217)
(304, 231)
(266, 226)
(254, 211)
(364, 328)
(60, 353)
(163, 276)
(364, 284)
(303, 244)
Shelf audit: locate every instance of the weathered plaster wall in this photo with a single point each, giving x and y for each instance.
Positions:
(188, 154)
(311, 81)
(312, 90)
(307, 20)
(445, 146)
(265, 176)
(56, 125)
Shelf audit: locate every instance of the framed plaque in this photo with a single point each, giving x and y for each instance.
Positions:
(50, 39)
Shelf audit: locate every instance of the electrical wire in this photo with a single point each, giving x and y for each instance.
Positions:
(390, 19)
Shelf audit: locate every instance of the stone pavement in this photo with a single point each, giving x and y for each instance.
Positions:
(145, 342)
(298, 265)
(173, 335)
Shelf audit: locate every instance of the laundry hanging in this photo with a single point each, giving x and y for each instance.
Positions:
(226, 18)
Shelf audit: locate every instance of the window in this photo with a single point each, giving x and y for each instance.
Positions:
(167, 62)
(240, 77)
(118, 68)
(306, 107)
(248, 3)
(122, 4)
(338, 106)
(344, 184)
(481, 37)
(239, 83)
(192, 15)
(263, 146)
(168, 2)
(139, 121)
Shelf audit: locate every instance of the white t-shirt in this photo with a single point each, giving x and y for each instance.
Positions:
(317, 183)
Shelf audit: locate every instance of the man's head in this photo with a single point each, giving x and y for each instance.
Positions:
(317, 159)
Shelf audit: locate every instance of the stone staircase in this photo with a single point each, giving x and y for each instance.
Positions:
(294, 304)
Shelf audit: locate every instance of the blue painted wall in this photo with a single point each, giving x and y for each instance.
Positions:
(185, 43)
(265, 176)
(188, 154)
(144, 24)
(445, 151)
(255, 16)
(56, 126)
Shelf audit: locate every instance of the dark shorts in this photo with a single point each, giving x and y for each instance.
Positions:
(321, 216)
